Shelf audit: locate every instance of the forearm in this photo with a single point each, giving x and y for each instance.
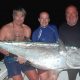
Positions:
(4, 51)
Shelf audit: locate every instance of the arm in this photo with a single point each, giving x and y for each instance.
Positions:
(4, 36)
(55, 32)
(34, 37)
(27, 33)
(3, 33)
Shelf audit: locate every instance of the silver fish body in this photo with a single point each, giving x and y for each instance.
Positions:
(44, 55)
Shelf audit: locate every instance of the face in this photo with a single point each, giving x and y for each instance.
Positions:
(18, 17)
(71, 15)
(44, 19)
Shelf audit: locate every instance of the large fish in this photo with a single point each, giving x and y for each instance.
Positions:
(45, 55)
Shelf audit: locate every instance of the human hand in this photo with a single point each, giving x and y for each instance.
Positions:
(5, 52)
(21, 59)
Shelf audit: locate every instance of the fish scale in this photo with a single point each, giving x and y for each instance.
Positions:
(44, 55)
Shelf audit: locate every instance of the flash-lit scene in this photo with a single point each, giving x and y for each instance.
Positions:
(39, 40)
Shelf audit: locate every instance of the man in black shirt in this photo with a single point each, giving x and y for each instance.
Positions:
(69, 33)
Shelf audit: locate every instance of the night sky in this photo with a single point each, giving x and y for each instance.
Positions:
(56, 9)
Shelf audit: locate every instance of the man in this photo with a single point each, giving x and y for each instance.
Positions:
(17, 31)
(45, 33)
(70, 33)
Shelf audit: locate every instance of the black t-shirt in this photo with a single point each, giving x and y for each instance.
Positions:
(70, 35)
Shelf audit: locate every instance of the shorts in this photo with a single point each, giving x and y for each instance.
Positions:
(14, 68)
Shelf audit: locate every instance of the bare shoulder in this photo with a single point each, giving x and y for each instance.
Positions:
(6, 27)
(26, 27)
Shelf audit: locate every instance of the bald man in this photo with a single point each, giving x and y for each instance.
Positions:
(69, 33)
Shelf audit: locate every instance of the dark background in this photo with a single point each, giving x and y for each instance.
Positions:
(56, 9)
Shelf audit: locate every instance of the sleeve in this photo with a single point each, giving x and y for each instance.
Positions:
(34, 37)
(55, 30)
